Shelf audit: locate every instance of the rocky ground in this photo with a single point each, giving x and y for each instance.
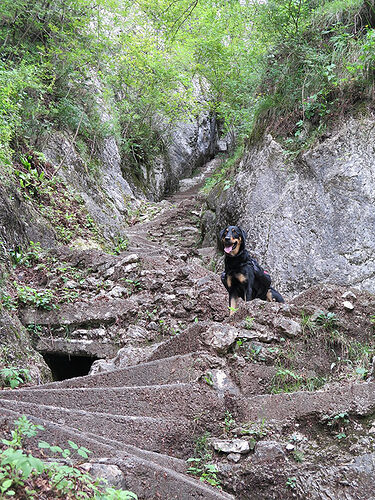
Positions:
(276, 401)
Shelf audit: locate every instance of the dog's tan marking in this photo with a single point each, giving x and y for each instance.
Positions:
(241, 278)
(229, 281)
(237, 249)
(269, 296)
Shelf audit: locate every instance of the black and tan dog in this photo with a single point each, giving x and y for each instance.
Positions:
(243, 276)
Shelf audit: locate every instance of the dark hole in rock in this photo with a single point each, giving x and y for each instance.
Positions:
(65, 366)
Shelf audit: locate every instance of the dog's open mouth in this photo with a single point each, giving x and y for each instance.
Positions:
(228, 249)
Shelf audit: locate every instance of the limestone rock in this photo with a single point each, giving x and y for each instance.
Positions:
(288, 327)
(220, 337)
(348, 305)
(267, 451)
(325, 200)
(240, 446)
(111, 473)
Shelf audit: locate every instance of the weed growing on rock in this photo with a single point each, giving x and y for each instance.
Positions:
(229, 422)
(41, 299)
(206, 472)
(28, 257)
(34, 329)
(207, 377)
(291, 482)
(249, 323)
(289, 381)
(338, 424)
(298, 456)
(121, 245)
(200, 465)
(8, 302)
(329, 320)
(13, 377)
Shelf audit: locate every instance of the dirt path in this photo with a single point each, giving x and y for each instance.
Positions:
(177, 225)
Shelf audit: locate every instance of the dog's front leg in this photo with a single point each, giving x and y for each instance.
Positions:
(233, 299)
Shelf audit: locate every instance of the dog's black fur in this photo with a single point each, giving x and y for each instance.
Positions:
(243, 276)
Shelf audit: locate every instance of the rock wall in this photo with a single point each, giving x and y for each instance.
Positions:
(190, 144)
(105, 192)
(109, 192)
(311, 220)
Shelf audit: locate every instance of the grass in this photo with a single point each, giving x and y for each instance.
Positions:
(286, 380)
(352, 358)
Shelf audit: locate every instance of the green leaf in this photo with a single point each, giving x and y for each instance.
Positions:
(44, 444)
(73, 445)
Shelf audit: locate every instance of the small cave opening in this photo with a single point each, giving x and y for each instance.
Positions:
(64, 366)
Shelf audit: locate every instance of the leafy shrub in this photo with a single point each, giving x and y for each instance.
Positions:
(21, 472)
(14, 377)
(41, 299)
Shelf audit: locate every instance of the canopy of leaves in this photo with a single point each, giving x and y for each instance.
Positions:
(283, 61)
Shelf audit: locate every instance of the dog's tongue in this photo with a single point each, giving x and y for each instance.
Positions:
(228, 249)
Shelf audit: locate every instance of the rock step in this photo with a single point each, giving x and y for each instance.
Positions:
(179, 400)
(175, 369)
(148, 479)
(353, 397)
(169, 436)
(82, 314)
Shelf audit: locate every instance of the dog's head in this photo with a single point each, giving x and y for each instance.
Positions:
(233, 239)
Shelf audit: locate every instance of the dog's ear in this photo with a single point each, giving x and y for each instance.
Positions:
(222, 233)
(243, 234)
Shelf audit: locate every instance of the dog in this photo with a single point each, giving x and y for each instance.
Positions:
(243, 276)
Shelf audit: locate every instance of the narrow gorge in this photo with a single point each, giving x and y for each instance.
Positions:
(130, 135)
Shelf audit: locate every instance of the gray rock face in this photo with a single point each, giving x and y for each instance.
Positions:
(189, 145)
(106, 195)
(311, 220)
(19, 223)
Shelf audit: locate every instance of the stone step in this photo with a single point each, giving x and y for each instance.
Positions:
(170, 436)
(352, 397)
(81, 314)
(177, 400)
(147, 478)
(175, 369)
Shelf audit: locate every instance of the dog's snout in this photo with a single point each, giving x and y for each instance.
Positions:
(227, 238)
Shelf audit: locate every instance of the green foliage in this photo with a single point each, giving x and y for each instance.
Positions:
(229, 422)
(121, 245)
(338, 422)
(207, 377)
(20, 470)
(28, 257)
(205, 471)
(286, 380)
(7, 301)
(287, 65)
(329, 321)
(249, 323)
(41, 299)
(291, 482)
(14, 377)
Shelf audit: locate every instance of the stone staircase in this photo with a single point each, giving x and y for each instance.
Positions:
(147, 417)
